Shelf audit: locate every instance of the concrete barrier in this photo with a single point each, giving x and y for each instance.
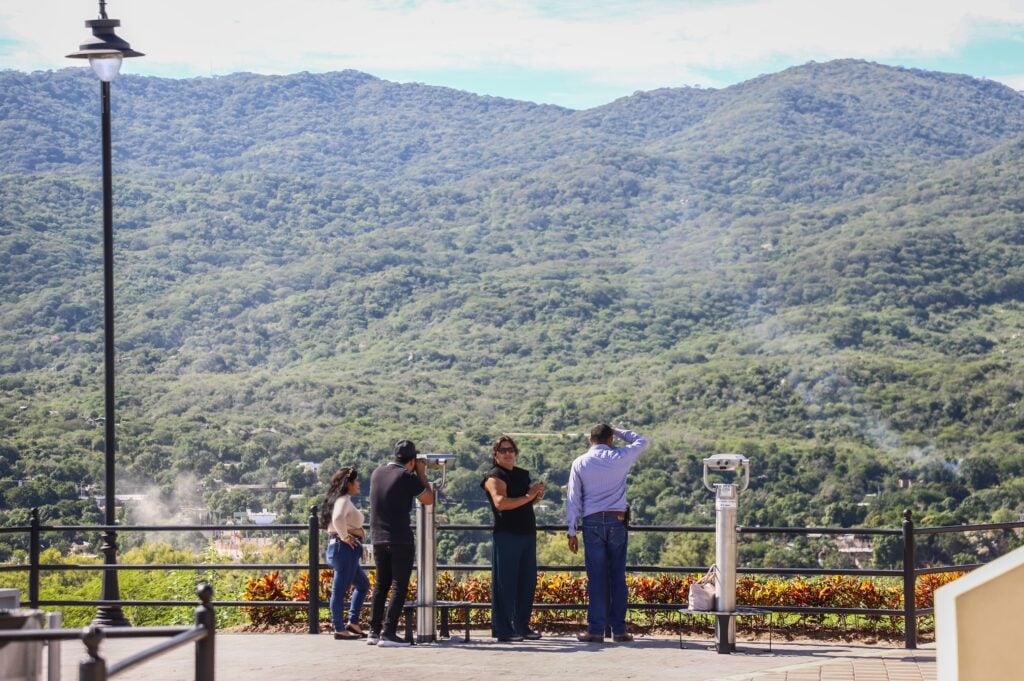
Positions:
(978, 623)
(21, 661)
(10, 599)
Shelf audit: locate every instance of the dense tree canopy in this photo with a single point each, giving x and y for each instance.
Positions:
(820, 268)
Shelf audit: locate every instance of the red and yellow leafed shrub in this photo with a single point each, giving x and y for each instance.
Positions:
(835, 591)
(474, 590)
(560, 588)
(665, 588)
(270, 587)
(300, 587)
(924, 591)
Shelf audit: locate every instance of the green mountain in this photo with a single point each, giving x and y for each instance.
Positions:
(820, 268)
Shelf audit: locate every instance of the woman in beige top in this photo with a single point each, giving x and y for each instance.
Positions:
(344, 523)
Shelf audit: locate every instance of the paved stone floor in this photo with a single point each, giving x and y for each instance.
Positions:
(277, 657)
(919, 666)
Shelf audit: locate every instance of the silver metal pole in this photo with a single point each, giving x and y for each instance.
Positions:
(426, 573)
(426, 553)
(726, 504)
(54, 620)
(726, 496)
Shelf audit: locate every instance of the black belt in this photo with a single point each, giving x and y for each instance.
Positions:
(620, 515)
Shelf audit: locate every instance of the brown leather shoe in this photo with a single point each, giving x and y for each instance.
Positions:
(589, 638)
(623, 638)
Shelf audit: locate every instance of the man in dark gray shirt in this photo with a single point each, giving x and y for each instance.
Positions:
(393, 487)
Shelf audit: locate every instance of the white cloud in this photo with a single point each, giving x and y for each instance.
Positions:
(638, 46)
(1014, 80)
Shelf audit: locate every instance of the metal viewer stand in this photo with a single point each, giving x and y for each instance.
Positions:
(726, 505)
(426, 553)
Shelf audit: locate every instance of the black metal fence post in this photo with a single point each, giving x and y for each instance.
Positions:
(94, 667)
(314, 570)
(205, 647)
(909, 583)
(33, 559)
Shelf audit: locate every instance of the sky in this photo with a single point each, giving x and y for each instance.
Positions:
(573, 53)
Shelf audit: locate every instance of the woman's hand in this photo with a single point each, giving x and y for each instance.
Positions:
(350, 540)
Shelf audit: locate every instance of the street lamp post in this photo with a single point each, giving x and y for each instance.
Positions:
(105, 51)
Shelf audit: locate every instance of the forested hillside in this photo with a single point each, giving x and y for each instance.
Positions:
(821, 268)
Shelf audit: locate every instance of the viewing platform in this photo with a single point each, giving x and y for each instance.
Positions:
(559, 657)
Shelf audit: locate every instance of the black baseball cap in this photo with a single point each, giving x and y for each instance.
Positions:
(405, 451)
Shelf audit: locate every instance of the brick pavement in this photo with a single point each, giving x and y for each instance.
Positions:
(300, 657)
(904, 666)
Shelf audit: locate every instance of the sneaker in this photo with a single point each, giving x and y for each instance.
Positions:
(373, 639)
(390, 641)
(533, 635)
(514, 638)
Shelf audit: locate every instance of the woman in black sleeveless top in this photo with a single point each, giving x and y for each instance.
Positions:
(514, 545)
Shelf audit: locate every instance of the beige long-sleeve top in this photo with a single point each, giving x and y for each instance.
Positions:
(345, 516)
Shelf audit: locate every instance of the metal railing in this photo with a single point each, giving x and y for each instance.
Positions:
(907, 573)
(95, 667)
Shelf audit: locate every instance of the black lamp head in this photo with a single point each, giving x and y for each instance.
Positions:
(104, 41)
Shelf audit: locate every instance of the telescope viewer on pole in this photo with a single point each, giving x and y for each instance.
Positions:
(720, 463)
(436, 461)
(737, 467)
(426, 551)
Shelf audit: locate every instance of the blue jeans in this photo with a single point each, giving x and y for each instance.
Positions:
(604, 553)
(345, 561)
(513, 582)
